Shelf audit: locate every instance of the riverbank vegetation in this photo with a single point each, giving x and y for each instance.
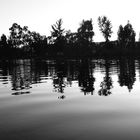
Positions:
(23, 43)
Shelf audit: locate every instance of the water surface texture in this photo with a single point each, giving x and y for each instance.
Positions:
(81, 99)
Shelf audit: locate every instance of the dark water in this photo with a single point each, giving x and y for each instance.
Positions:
(70, 99)
(59, 77)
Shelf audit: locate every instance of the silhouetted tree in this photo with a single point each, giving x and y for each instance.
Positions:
(139, 37)
(15, 35)
(58, 35)
(71, 38)
(35, 41)
(121, 36)
(105, 27)
(3, 40)
(85, 32)
(26, 36)
(27, 41)
(4, 50)
(20, 36)
(36, 37)
(126, 35)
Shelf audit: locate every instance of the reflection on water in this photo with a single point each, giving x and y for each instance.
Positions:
(62, 99)
(127, 73)
(62, 76)
(20, 93)
(21, 75)
(106, 84)
(85, 77)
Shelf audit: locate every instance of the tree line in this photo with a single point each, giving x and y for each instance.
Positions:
(25, 43)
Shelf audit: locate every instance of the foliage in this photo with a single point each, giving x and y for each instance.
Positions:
(57, 36)
(15, 35)
(57, 31)
(24, 42)
(85, 32)
(71, 38)
(22, 37)
(19, 36)
(105, 27)
(121, 36)
(126, 34)
(3, 40)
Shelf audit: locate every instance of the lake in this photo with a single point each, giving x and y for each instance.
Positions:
(60, 99)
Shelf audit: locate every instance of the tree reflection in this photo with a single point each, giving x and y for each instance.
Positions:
(24, 74)
(85, 78)
(4, 71)
(127, 73)
(58, 79)
(21, 76)
(58, 82)
(106, 85)
(138, 67)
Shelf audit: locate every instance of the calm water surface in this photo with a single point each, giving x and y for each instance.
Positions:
(70, 99)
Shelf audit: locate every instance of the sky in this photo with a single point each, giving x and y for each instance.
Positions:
(39, 15)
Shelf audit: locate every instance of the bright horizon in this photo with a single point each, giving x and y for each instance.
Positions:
(39, 15)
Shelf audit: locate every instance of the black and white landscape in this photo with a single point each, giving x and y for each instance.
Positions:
(69, 69)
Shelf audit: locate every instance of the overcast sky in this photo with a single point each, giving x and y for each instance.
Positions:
(39, 15)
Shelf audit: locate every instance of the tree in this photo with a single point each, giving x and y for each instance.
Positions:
(139, 37)
(26, 36)
(105, 27)
(37, 43)
(121, 36)
(85, 32)
(126, 35)
(57, 35)
(27, 41)
(3, 45)
(3, 40)
(71, 38)
(15, 35)
(20, 36)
